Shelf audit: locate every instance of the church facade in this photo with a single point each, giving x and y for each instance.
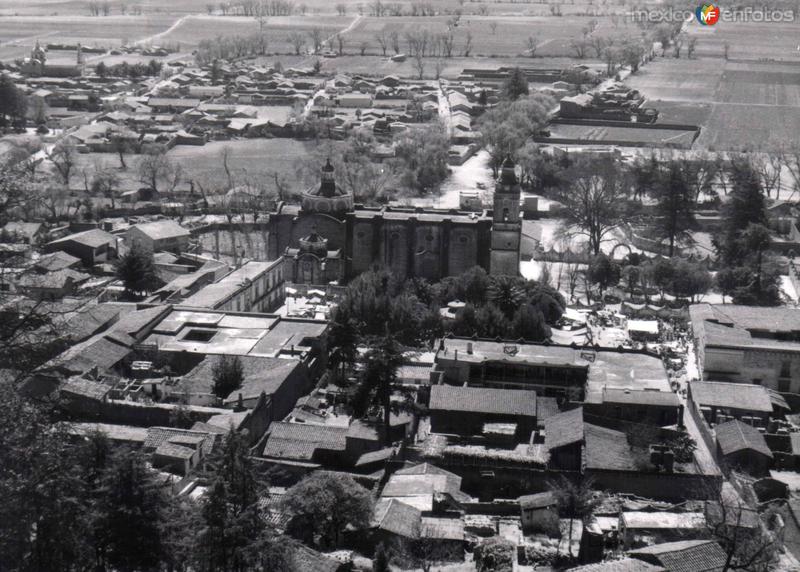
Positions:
(327, 238)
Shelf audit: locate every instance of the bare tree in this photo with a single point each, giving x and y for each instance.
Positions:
(533, 45)
(341, 9)
(467, 44)
(383, 40)
(158, 173)
(419, 65)
(493, 27)
(594, 201)
(579, 47)
(598, 44)
(394, 39)
(363, 47)
(691, 46)
(340, 43)
(751, 541)
(64, 157)
(225, 155)
(297, 41)
(316, 39)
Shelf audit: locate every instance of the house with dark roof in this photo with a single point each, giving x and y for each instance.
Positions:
(621, 565)
(539, 511)
(659, 408)
(473, 410)
(91, 246)
(748, 344)
(53, 285)
(684, 556)
(721, 401)
(282, 381)
(564, 439)
(743, 447)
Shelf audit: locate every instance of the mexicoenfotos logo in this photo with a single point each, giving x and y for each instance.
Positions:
(707, 14)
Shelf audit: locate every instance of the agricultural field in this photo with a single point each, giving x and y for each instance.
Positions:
(752, 99)
(622, 135)
(748, 40)
(492, 36)
(19, 33)
(191, 30)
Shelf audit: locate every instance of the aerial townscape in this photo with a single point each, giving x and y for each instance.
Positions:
(399, 286)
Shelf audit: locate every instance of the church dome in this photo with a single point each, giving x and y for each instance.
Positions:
(328, 198)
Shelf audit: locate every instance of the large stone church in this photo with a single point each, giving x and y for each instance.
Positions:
(327, 238)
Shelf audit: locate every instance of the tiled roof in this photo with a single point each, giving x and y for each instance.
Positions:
(84, 387)
(736, 436)
(731, 395)
(546, 407)
(442, 528)
(640, 397)
(564, 429)
(309, 560)
(483, 400)
(56, 261)
(607, 449)
(624, 565)
(731, 325)
(93, 238)
(260, 374)
(397, 517)
(156, 436)
(300, 440)
(168, 449)
(538, 500)
(685, 555)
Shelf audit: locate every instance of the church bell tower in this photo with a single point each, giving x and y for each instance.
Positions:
(506, 222)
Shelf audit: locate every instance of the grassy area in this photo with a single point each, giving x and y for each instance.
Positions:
(249, 158)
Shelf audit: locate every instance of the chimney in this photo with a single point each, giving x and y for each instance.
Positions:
(469, 348)
(455, 355)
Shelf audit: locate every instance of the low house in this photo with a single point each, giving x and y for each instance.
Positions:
(641, 528)
(395, 524)
(51, 286)
(721, 401)
(178, 450)
(638, 406)
(28, 232)
(684, 555)
(425, 487)
(159, 235)
(474, 410)
(91, 246)
(743, 447)
(539, 512)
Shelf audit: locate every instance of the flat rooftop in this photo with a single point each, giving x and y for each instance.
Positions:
(213, 332)
(220, 291)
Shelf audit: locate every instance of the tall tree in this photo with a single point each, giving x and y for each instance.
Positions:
(674, 206)
(228, 375)
(515, 85)
(595, 200)
(325, 504)
(745, 205)
(236, 534)
(577, 500)
(379, 378)
(131, 514)
(137, 270)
